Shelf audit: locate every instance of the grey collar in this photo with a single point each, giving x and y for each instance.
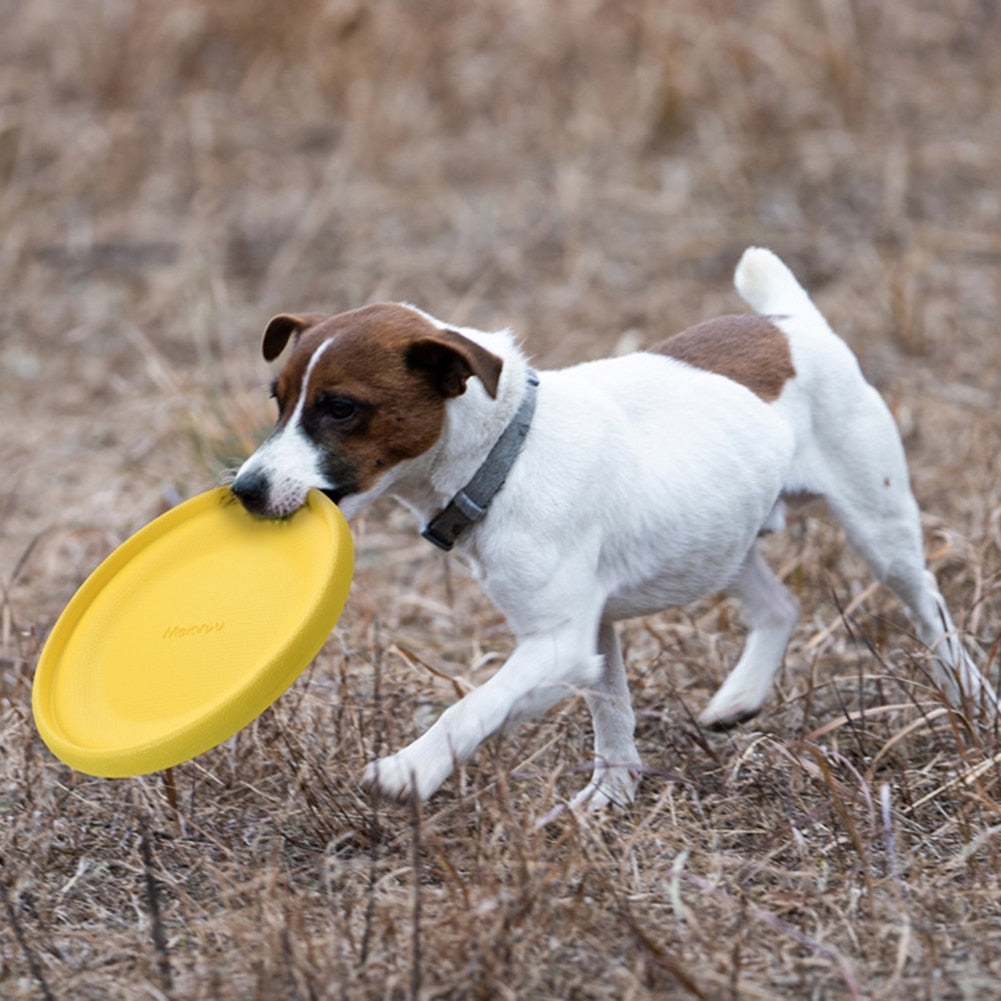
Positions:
(470, 504)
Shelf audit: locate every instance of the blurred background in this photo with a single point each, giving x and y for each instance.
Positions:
(173, 174)
(584, 171)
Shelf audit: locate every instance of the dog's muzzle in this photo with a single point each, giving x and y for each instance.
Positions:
(253, 490)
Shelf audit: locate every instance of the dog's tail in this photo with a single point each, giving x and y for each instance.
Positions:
(768, 286)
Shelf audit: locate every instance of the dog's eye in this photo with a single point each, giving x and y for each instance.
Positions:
(337, 408)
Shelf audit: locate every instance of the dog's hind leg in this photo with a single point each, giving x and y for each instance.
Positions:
(865, 484)
(771, 613)
(892, 549)
(616, 760)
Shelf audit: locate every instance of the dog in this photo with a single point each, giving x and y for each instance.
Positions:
(600, 492)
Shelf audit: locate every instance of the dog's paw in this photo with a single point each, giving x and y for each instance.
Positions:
(400, 779)
(611, 789)
(388, 779)
(726, 716)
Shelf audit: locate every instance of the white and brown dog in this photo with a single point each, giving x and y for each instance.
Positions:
(638, 483)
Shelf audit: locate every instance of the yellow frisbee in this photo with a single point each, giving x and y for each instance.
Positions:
(188, 631)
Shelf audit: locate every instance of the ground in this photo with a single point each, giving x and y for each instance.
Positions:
(171, 175)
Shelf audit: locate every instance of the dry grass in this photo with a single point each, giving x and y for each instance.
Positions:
(172, 174)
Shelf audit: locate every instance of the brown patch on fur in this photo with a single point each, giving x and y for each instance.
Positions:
(744, 347)
(397, 368)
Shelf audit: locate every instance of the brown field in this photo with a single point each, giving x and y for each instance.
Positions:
(587, 171)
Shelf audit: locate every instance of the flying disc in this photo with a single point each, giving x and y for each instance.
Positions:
(188, 631)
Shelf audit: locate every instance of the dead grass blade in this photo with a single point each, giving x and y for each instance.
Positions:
(153, 904)
(968, 777)
(461, 686)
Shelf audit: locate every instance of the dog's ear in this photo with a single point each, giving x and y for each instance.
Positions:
(450, 359)
(281, 327)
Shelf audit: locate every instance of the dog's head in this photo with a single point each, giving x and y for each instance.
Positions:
(359, 393)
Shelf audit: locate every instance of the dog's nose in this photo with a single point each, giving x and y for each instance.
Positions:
(251, 489)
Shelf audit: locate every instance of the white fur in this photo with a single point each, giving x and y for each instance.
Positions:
(289, 456)
(644, 484)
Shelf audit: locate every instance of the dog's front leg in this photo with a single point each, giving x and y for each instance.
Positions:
(616, 760)
(544, 668)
